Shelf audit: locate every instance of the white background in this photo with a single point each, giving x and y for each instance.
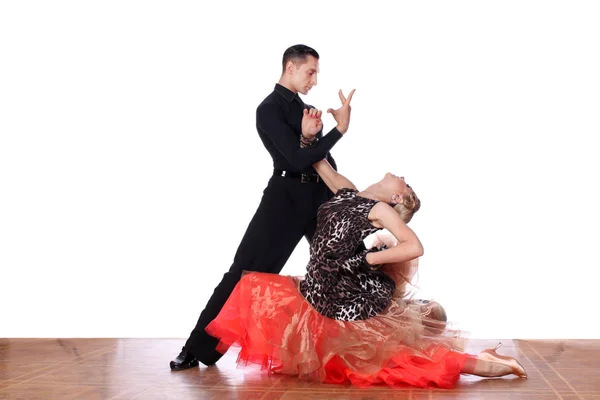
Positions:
(130, 165)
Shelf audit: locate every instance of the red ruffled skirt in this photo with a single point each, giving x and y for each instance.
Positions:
(275, 327)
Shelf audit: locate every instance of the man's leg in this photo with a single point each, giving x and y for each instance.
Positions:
(270, 239)
(320, 195)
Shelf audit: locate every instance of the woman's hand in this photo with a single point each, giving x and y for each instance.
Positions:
(311, 123)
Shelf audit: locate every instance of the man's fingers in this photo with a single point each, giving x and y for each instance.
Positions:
(350, 95)
(342, 98)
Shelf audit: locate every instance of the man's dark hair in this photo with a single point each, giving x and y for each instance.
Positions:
(297, 54)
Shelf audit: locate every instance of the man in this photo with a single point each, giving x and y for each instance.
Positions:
(292, 133)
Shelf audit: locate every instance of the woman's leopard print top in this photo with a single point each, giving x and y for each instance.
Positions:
(338, 282)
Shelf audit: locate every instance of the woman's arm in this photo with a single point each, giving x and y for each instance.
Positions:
(409, 246)
(333, 179)
(384, 239)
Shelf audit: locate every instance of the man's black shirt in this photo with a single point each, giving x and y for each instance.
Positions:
(279, 125)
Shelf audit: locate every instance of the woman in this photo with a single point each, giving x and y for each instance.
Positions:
(347, 320)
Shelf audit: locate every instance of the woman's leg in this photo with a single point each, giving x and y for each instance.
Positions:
(491, 364)
(489, 369)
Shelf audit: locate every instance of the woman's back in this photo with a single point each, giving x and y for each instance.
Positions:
(338, 283)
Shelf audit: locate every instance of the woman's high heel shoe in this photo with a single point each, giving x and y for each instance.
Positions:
(491, 356)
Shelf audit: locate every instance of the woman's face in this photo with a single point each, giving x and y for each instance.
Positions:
(397, 184)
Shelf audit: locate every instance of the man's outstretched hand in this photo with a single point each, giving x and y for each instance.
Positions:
(342, 114)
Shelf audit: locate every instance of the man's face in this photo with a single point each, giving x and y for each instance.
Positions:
(304, 75)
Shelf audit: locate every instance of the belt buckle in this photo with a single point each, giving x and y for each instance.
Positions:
(304, 178)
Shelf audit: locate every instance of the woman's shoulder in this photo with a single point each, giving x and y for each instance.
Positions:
(342, 191)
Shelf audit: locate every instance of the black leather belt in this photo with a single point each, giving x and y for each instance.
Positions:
(304, 178)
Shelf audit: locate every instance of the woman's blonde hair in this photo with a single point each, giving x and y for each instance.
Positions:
(409, 206)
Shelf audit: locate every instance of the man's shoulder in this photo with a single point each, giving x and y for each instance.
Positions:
(271, 98)
(272, 101)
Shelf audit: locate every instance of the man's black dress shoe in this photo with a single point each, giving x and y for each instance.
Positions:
(184, 360)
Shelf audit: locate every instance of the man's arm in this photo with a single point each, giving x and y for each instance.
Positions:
(309, 143)
(312, 127)
(270, 120)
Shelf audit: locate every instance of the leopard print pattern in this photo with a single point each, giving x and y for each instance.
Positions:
(338, 283)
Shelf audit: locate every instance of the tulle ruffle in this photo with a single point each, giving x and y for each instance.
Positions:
(275, 327)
